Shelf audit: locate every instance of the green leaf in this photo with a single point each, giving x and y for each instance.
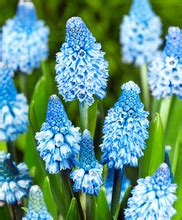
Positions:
(48, 197)
(178, 180)
(93, 117)
(174, 126)
(3, 146)
(33, 117)
(73, 213)
(154, 153)
(102, 209)
(4, 213)
(122, 205)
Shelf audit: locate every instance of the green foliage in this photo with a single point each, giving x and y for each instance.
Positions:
(154, 153)
(102, 209)
(178, 178)
(73, 212)
(51, 205)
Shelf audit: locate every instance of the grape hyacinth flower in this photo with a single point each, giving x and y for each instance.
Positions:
(165, 71)
(36, 206)
(15, 180)
(13, 107)
(153, 197)
(88, 176)
(109, 185)
(26, 38)
(125, 129)
(58, 140)
(140, 34)
(82, 70)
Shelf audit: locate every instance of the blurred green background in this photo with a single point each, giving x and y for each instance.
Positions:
(103, 17)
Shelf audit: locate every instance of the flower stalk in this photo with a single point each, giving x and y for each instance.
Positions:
(118, 176)
(145, 87)
(164, 110)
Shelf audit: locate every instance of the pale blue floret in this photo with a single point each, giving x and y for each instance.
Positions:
(165, 71)
(125, 129)
(82, 70)
(88, 176)
(153, 197)
(13, 107)
(25, 39)
(15, 180)
(140, 34)
(37, 209)
(109, 185)
(58, 140)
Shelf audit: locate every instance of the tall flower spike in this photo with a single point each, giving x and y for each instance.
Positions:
(153, 197)
(58, 140)
(36, 206)
(165, 71)
(88, 176)
(13, 107)
(125, 129)
(140, 33)
(15, 180)
(81, 68)
(25, 38)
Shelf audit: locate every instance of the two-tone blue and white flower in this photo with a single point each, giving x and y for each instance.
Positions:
(140, 34)
(165, 71)
(36, 206)
(58, 140)
(125, 129)
(88, 176)
(82, 70)
(25, 39)
(153, 197)
(15, 180)
(13, 107)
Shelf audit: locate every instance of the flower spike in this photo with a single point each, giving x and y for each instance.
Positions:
(15, 180)
(125, 129)
(81, 68)
(36, 206)
(13, 107)
(165, 71)
(88, 176)
(153, 197)
(140, 34)
(58, 140)
(26, 38)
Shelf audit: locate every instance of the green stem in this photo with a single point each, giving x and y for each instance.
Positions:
(145, 87)
(12, 150)
(17, 212)
(118, 176)
(164, 110)
(84, 115)
(89, 208)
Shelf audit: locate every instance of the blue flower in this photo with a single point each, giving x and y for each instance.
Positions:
(153, 197)
(165, 71)
(15, 180)
(58, 140)
(125, 129)
(13, 107)
(109, 185)
(37, 209)
(140, 33)
(81, 68)
(25, 39)
(88, 176)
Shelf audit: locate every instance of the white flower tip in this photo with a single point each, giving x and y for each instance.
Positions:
(35, 189)
(131, 86)
(73, 22)
(167, 148)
